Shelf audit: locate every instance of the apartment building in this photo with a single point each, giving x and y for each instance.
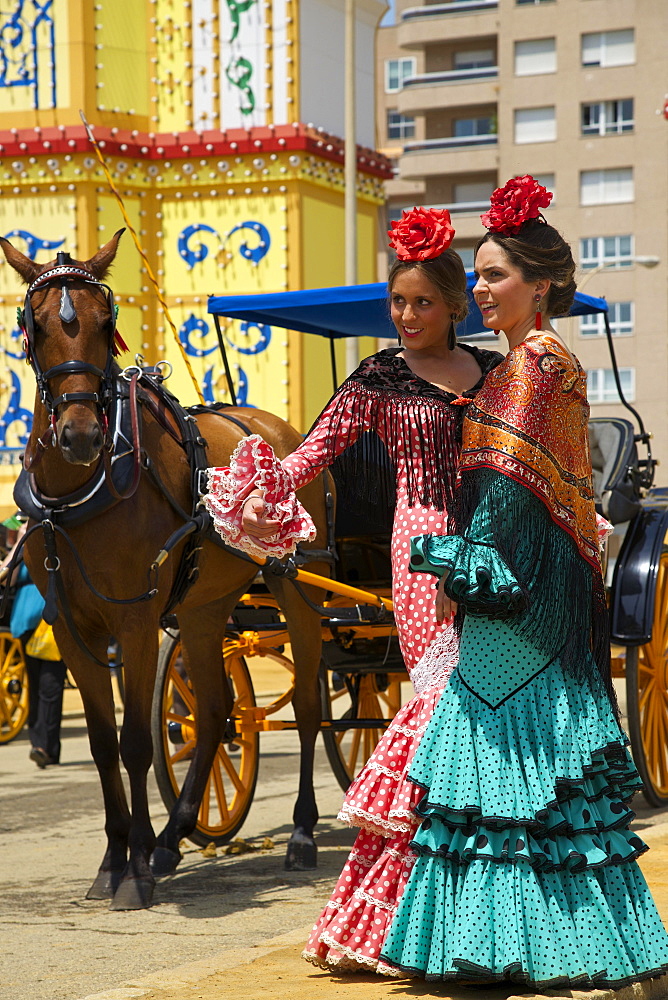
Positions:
(472, 92)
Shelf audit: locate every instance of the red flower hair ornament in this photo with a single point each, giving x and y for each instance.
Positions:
(520, 199)
(421, 234)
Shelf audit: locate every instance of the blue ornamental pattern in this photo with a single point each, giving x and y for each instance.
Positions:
(15, 412)
(195, 330)
(194, 326)
(196, 254)
(240, 389)
(33, 243)
(27, 33)
(260, 345)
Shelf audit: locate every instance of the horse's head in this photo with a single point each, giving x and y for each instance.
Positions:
(69, 323)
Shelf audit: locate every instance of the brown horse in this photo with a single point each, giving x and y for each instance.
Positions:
(72, 320)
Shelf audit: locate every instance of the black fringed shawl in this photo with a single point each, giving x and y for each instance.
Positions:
(397, 407)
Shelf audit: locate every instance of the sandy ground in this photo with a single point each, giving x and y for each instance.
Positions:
(222, 928)
(274, 970)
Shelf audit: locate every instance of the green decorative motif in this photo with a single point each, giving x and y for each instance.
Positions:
(239, 72)
(236, 8)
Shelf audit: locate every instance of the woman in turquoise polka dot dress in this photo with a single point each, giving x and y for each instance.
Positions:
(526, 865)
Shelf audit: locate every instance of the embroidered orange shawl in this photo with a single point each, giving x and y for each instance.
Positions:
(529, 421)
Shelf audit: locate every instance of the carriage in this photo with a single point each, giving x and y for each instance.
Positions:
(361, 670)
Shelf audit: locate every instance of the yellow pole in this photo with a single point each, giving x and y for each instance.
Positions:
(142, 254)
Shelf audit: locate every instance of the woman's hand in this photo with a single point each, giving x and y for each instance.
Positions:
(446, 609)
(254, 520)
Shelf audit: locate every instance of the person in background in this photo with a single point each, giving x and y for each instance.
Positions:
(46, 677)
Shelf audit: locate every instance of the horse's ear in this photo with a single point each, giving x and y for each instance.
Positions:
(23, 265)
(100, 262)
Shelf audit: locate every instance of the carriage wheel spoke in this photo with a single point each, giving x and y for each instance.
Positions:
(354, 750)
(182, 752)
(231, 771)
(183, 689)
(220, 792)
(4, 712)
(204, 806)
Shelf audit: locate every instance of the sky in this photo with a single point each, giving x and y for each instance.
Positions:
(388, 17)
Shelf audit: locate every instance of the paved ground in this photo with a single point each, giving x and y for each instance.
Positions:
(56, 945)
(223, 928)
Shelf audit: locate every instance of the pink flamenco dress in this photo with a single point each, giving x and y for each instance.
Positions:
(419, 426)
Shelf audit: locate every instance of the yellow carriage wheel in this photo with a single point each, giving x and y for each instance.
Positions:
(353, 702)
(13, 687)
(231, 781)
(647, 698)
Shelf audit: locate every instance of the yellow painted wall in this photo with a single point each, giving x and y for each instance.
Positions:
(122, 69)
(323, 265)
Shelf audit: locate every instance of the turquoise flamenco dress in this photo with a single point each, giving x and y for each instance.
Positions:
(526, 868)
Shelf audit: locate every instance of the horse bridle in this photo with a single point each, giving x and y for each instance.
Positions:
(64, 271)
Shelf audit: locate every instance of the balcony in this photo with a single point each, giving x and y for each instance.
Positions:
(425, 92)
(420, 26)
(451, 155)
(455, 7)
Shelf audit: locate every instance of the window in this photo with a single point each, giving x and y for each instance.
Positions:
(473, 192)
(607, 117)
(601, 386)
(396, 71)
(475, 59)
(484, 125)
(609, 48)
(400, 126)
(548, 181)
(614, 251)
(620, 315)
(538, 55)
(606, 187)
(535, 125)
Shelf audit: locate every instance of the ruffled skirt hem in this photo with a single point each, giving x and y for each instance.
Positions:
(496, 922)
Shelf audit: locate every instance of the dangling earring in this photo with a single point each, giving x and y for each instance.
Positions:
(539, 315)
(452, 336)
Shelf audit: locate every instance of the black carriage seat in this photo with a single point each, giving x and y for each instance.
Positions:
(613, 455)
(363, 528)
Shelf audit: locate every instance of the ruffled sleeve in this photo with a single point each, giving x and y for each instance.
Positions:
(477, 577)
(255, 466)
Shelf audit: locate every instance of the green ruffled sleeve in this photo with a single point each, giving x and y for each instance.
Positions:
(478, 578)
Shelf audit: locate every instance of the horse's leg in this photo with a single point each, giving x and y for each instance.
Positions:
(94, 683)
(140, 655)
(306, 643)
(202, 631)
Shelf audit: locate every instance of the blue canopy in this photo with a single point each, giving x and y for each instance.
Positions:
(349, 310)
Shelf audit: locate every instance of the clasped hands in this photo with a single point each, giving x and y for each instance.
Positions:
(257, 525)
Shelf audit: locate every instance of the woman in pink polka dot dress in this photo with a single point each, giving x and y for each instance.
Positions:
(408, 396)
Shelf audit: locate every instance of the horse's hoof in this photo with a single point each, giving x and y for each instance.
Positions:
(105, 885)
(164, 861)
(134, 894)
(302, 854)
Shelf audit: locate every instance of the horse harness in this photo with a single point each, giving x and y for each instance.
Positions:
(117, 474)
